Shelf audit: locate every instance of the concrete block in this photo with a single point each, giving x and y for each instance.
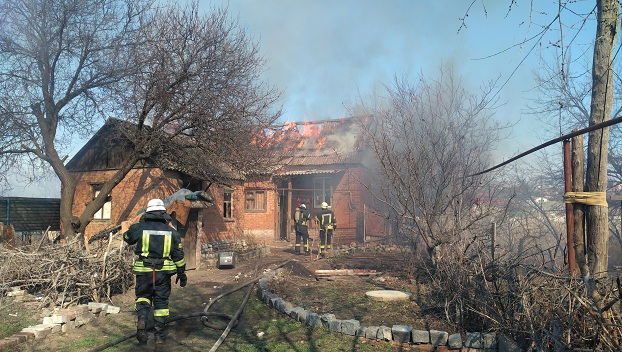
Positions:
(54, 328)
(273, 301)
(313, 319)
(302, 315)
(71, 314)
(84, 318)
(385, 333)
(96, 307)
(113, 310)
(401, 333)
(55, 319)
(39, 331)
(68, 326)
(454, 341)
(335, 325)
(420, 336)
(350, 327)
(371, 332)
(295, 312)
(438, 338)
(327, 318)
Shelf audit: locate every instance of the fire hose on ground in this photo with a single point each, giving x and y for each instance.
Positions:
(205, 315)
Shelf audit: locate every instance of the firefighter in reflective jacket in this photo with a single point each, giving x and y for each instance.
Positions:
(302, 229)
(328, 223)
(160, 255)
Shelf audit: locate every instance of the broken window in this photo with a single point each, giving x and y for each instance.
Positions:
(322, 191)
(255, 201)
(227, 206)
(104, 212)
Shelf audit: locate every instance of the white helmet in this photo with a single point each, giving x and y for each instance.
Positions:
(324, 205)
(303, 206)
(155, 205)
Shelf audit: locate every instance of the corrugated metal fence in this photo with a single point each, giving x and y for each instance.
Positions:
(30, 214)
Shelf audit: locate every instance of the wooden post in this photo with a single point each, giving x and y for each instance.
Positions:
(288, 209)
(572, 264)
(578, 209)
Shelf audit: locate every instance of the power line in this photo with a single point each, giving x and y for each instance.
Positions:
(553, 141)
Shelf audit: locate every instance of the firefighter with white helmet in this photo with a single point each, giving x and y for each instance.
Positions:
(160, 255)
(328, 223)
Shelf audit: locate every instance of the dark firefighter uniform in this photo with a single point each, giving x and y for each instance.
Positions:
(160, 255)
(302, 228)
(328, 223)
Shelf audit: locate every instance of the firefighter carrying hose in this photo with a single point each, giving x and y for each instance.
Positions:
(328, 223)
(160, 256)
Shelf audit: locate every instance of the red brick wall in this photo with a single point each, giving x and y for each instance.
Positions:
(261, 225)
(128, 197)
(253, 227)
(215, 227)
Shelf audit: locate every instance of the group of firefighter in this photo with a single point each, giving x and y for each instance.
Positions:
(160, 256)
(327, 223)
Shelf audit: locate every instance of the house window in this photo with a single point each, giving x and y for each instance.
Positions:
(322, 191)
(255, 201)
(227, 205)
(104, 212)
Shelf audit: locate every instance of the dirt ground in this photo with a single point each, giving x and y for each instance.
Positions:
(343, 296)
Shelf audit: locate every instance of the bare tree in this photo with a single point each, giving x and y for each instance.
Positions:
(183, 81)
(572, 97)
(608, 26)
(429, 138)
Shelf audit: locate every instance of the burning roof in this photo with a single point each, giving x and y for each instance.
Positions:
(301, 145)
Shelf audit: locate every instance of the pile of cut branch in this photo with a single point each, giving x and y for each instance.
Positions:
(68, 274)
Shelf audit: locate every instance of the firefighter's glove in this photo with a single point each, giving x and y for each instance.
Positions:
(182, 279)
(334, 226)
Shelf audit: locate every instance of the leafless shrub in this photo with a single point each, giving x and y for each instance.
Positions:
(66, 275)
(519, 296)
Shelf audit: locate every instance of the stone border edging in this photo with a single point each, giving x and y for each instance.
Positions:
(427, 340)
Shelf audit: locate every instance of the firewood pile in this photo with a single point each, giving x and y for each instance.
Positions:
(68, 274)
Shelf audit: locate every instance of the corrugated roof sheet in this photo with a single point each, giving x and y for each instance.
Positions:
(308, 172)
(303, 147)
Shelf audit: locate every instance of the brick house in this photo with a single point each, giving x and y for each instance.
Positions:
(318, 161)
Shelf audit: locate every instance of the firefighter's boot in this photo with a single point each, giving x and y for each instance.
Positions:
(160, 336)
(141, 330)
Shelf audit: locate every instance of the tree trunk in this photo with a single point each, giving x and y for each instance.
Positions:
(598, 143)
(578, 209)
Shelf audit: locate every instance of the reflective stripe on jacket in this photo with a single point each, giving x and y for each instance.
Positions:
(156, 242)
(327, 219)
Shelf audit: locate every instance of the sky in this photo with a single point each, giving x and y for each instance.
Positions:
(326, 54)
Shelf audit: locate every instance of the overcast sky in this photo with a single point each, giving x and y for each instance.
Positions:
(324, 54)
